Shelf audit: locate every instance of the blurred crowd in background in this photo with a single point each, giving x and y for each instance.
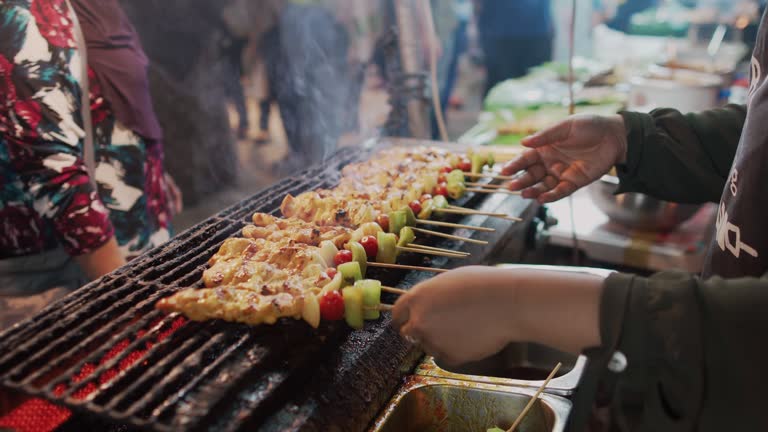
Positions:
(259, 89)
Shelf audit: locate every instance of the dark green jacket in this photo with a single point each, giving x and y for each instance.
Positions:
(695, 349)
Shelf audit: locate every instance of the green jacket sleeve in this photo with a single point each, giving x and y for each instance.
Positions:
(681, 158)
(695, 352)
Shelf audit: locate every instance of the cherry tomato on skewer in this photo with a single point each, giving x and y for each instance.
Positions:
(332, 306)
(441, 189)
(465, 165)
(383, 221)
(425, 197)
(342, 256)
(371, 246)
(415, 206)
(446, 169)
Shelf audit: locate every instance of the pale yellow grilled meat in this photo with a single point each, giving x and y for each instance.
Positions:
(229, 303)
(241, 289)
(265, 294)
(276, 229)
(387, 182)
(237, 259)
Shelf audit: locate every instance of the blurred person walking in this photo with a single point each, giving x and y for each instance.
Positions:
(515, 35)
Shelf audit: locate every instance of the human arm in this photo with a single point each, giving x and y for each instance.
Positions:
(691, 345)
(42, 128)
(473, 312)
(682, 158)
(101, 260)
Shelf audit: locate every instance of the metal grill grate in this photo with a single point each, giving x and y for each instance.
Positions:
(106, 352)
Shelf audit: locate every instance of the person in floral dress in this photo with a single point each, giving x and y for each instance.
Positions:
(61, 224)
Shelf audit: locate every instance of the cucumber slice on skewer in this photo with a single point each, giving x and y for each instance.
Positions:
(397, 220)
(477, 163)
(310, 311)
(455, 176)
(359, 256)
(353, 306)
(334, 284)
(439, 202)
(371, 298)
(410, 218)
(407, 237)
(456, 190)
(387, 252)
(350, 273)
(427, 207)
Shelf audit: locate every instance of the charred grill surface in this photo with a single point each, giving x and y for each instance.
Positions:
(106, 353)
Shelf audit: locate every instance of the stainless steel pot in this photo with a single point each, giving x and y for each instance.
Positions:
(636, 210)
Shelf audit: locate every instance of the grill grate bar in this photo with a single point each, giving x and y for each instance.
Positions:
(165, 361)
(50, 315)
(168, 271)
(116, 360)
(93, 357)
(150, 269)
(175, 378)
(63, 333)
(256, 354)
(265, 385)
(165, 348)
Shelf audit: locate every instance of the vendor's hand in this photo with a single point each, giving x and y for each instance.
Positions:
(470, 313)
(457, 316)
(568, 156)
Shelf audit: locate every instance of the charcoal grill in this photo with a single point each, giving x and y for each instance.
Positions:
(107, 354)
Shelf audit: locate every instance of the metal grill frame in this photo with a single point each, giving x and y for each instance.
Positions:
(216, 375)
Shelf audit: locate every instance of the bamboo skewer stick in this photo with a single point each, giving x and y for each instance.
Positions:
(534, 398)
(450, 236)
(492, 191)
(499, 215)
(485, 185)
(453, 225)
(419, 246)
(393, 290)
(430, 252)
(491, 176)
(407, 267)
(468, 212)
(381, 307)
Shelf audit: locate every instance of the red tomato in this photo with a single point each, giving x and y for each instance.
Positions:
(371, 246)
(415, 206)
(332, 306)
(342, 256)
(465, 165)
(425, 197)
(331, 272)
(383, 221)
(446, 169)
(441, 189)
(441, 178)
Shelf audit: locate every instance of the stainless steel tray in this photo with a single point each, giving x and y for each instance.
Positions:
(446, 405)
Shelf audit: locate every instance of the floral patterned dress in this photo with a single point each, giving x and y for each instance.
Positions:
(47, 200)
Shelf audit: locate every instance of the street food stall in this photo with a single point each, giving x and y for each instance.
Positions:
(111, 356)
